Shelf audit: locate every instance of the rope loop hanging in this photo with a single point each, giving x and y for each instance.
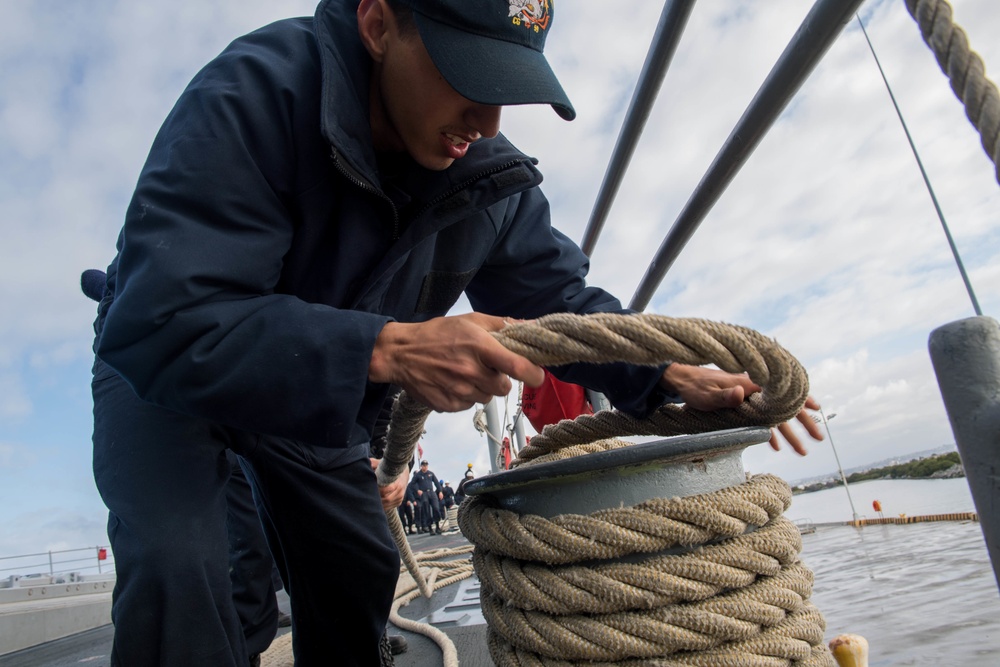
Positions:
(653, 340)
(965, 71)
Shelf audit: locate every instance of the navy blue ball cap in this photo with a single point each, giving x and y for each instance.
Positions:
(490, 51)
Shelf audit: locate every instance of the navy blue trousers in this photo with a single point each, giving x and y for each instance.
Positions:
(164, 479)
(251, 567)
(431, 509)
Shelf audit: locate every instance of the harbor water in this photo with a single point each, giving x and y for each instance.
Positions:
(896, 496)
(923, 593)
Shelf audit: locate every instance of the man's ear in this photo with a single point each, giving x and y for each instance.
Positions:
(373, 27)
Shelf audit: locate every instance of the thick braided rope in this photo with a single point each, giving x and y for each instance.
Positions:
(654, 582)
(653, 525)
(798, 640)
(965, 71)
(405, 428)
(653, 340)
(739, 615)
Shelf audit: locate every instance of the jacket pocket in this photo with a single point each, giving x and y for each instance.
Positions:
(441, 289)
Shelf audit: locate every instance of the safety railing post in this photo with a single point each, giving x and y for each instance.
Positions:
(495, 433)
(966, 358)
(815, 35)
(668, 34)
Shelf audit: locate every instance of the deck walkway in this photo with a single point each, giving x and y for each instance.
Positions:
(466, 629)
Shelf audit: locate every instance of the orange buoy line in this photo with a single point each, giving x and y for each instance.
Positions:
(901, 519)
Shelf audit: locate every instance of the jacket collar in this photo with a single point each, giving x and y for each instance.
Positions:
(346, 70)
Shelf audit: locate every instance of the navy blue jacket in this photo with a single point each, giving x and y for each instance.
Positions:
(427, 482)
(266, 246)
(411, 492)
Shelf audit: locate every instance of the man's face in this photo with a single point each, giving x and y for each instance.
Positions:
(423, 114)
(423, 467)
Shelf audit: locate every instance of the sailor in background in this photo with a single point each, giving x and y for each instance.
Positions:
(429, 497)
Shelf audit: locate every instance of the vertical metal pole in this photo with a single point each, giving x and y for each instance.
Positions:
(843, 477)
(598, 400)
(494, 433)
(518, 439)
(673, 19)
(815, 35)
(966, 358)
(51, 570)
(98, 559)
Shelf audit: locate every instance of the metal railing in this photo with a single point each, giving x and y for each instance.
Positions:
(87, 560)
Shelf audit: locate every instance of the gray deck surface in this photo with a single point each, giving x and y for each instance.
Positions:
(93, 648)
(470, 639)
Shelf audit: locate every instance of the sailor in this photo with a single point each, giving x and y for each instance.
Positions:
(460, 494)
(429, 496)
(317, 200)
(448, 496)
(412, 501)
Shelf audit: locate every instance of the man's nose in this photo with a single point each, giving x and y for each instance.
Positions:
(485, 119)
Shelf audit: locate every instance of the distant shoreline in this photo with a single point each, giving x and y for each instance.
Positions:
(940, 466)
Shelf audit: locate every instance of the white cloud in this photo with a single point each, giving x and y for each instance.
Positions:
(14, 403)
(14, 457)
(51, 530)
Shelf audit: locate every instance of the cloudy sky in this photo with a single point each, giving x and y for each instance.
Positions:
(827, 240)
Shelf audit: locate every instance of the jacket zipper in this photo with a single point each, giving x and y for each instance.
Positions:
(357, 180)
(468, 183)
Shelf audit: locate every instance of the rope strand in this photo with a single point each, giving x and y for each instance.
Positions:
(965, 71)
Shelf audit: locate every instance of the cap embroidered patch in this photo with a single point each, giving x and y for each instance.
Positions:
(532, 14)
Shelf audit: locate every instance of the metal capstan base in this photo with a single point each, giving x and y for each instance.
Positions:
(678, 466)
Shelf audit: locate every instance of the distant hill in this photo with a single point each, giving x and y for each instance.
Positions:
(884, 463)
(935, 466)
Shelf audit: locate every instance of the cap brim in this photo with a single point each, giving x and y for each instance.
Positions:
(492, 71)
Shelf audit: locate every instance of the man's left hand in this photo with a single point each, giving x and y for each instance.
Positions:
(392, 495)
(712, 389)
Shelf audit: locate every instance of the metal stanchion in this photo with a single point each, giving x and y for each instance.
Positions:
(966, 358)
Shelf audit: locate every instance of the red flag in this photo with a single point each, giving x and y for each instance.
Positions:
(554, 401)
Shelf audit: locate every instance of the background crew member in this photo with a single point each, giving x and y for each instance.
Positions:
(429, 497)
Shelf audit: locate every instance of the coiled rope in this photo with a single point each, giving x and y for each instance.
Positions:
(543, 610)
(965, 71)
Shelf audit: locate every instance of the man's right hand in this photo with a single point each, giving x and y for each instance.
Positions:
(711, 389)
(449, 363)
